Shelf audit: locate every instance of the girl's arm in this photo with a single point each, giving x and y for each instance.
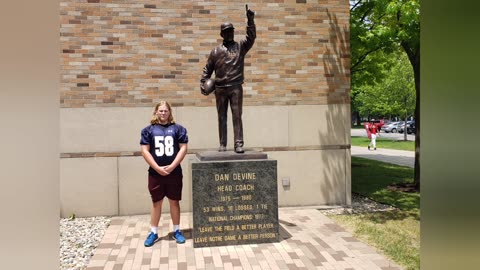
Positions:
(149, 159)
(181, 154)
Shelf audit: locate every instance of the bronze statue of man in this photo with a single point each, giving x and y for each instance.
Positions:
(227, 60)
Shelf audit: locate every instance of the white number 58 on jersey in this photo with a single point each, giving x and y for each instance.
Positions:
(163, 146)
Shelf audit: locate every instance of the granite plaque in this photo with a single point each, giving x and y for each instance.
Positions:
(234, 202)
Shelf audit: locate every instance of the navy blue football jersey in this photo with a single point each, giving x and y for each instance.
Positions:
(164, 143)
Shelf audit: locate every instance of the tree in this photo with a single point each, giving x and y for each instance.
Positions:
(385, 25)
(393, 95)
(367, 55)
(399, 89)
(371, 71)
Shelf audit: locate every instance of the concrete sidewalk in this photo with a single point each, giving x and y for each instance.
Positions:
(399, 157)
(309, 240)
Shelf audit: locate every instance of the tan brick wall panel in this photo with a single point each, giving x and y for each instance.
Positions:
(135, 53)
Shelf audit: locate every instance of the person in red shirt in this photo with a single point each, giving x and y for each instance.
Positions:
(373, 132)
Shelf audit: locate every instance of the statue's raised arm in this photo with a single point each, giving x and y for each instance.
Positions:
(250, 15)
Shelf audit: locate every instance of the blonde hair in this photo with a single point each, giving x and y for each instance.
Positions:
(155, 120)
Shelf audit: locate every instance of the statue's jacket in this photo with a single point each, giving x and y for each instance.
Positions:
(227, 60)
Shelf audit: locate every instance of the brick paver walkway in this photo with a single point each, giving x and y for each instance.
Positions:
(309, 240)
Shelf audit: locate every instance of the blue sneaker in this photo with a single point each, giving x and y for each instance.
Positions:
(151, 239)
(178, 236)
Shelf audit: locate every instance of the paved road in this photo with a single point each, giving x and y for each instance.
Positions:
(393, 136)
(399, 157)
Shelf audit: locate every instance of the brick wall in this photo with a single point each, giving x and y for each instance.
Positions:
(135, 53)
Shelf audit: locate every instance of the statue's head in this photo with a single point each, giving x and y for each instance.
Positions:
(227, 31)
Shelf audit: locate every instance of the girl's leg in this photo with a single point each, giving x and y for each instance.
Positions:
(156, 213)
(154, 220)
(175, 211)
(175, 214)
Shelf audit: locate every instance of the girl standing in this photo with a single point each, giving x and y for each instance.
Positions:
(164, 145)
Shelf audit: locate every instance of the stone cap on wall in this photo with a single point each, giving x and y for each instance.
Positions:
(230, 155)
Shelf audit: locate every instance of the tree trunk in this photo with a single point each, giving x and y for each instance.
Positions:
(416, 177)
(414, 58)
(405, 123)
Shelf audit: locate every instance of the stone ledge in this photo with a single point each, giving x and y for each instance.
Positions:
(230, 155)
(197, 151)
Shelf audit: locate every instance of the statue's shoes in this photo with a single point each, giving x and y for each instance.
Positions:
(239, 149)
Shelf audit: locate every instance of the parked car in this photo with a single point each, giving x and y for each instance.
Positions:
(409, 125)
(392, 127)
(411, 128)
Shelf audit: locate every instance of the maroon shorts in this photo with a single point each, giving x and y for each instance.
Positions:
(161, 186)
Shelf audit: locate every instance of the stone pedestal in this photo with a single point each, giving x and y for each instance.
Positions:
(235, 199)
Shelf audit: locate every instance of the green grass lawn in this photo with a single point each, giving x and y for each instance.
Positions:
(384, 143)
(395, 233)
